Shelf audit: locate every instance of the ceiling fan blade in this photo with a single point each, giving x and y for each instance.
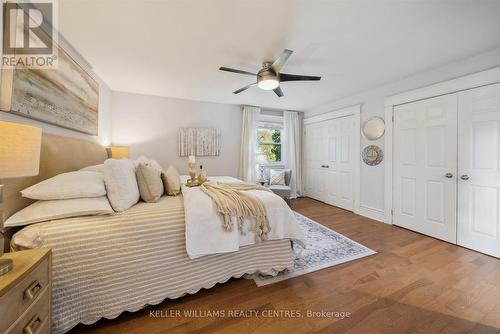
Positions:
(243, 88)
(296, 77)
(278, 91)
(227, 69)
(281, 60)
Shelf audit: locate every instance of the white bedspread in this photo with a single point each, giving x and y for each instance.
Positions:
(205, 234)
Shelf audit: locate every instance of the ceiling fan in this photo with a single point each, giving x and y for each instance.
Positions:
(269, 77)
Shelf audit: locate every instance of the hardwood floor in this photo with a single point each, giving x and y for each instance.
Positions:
(415, 284)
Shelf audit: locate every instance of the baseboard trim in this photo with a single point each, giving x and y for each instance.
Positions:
(369, 212)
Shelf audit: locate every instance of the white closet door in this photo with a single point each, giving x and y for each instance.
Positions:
(339, 166)
(308, 160)
(425, 160)
(314, 153)
(329, 161)
(478, 164)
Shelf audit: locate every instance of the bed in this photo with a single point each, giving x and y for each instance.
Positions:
(105, 265)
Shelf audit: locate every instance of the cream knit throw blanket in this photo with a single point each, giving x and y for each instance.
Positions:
(232, 200)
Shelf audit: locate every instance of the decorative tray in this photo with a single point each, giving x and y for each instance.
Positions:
(195, 182)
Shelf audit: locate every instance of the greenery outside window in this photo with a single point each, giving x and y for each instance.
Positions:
(269, 139)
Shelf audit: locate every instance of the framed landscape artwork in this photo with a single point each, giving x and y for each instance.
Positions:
(67, 96)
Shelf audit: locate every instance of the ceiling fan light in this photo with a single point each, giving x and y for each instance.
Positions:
(268, 84)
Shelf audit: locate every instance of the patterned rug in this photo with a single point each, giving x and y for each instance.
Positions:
(325, 248)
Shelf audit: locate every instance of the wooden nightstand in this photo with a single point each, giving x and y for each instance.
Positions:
(26, 293)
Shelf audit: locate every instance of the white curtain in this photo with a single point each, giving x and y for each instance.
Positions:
(293, 149)
(248, 143)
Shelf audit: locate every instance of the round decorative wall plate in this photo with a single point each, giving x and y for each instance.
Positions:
(373, 128)
(372, 155)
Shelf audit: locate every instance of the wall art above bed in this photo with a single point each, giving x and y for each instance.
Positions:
(199, 142)
(67, 96)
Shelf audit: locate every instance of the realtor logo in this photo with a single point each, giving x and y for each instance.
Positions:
(29, 34)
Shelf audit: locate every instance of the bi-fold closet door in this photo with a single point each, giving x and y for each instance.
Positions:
(330, 161)
(425, 166)
(446, 168)
(479, 175)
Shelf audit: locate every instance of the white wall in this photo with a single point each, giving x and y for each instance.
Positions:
(372, 178)
(148, 125)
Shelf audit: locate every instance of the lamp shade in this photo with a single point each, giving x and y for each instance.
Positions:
(261, 159)
(118, 152)
(19, 150)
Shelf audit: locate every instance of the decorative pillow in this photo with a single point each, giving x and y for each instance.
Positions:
(149, 182)
(95, 168)
(121, 183)
(56, 209)
(78, 184)
(277, 177)
(151, 162)
(171, 181)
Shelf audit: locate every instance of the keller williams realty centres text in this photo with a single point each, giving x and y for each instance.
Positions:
(247, 314)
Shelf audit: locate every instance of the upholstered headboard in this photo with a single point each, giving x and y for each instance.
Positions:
(58, 155)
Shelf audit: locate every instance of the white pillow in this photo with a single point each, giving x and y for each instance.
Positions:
(121, 183)
(78, 184)
(63, 208)
(95, 168)
(277, 177)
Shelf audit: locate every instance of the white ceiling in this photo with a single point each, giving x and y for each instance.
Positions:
(174, 48)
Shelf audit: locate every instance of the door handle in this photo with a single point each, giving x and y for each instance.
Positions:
(448, 175)
(327, 166)
(464, 177)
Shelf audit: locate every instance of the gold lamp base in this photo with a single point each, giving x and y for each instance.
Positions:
(5, 266)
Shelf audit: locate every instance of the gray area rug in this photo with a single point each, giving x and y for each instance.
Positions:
(325, 248)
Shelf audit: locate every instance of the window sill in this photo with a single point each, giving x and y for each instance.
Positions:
(277, 164)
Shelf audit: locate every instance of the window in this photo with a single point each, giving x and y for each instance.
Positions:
(269, 137)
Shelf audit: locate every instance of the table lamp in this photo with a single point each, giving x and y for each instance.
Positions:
(261, 161)
(118, 152)
(19, 157)
(192, 167)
